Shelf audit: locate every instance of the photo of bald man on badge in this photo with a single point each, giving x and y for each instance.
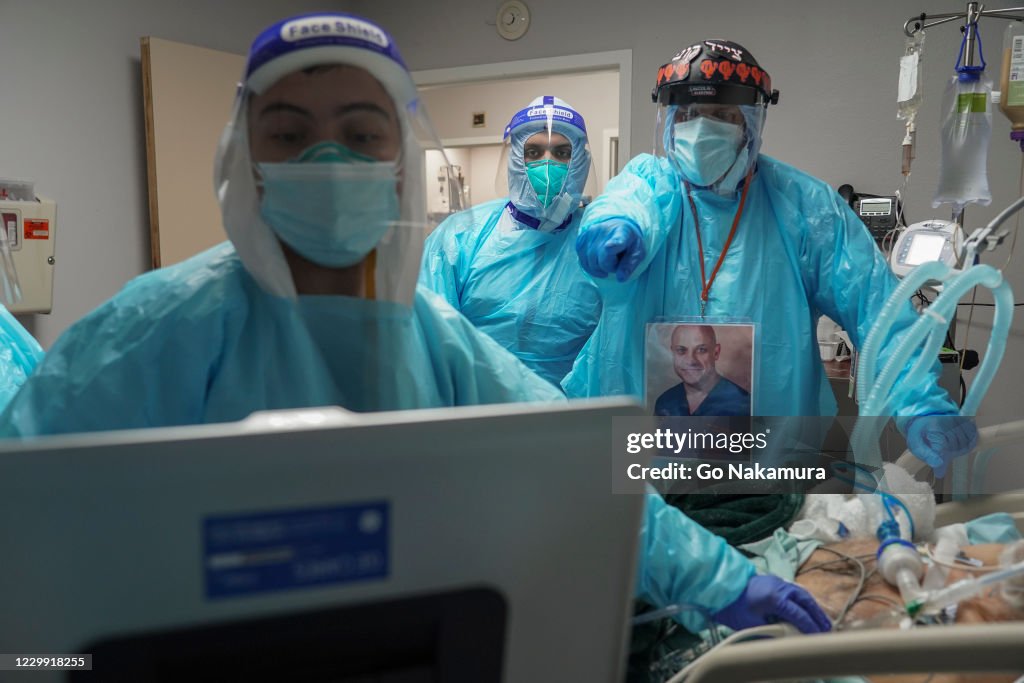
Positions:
(700, 370)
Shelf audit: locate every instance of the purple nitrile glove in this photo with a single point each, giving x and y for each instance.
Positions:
(769, 600)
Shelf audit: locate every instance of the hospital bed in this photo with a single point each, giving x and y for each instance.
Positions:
(780, 654)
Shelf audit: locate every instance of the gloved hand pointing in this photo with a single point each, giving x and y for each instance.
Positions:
(611, 246)
(768, 600)
(939, 439)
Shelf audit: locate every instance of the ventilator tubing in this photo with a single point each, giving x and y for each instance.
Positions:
(968, 588)
(931, 326)
(933, 322)
(866, 432)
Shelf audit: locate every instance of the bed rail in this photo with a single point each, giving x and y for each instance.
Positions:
(963, 648)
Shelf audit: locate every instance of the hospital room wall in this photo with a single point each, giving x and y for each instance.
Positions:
(835, 63)
(72, 111)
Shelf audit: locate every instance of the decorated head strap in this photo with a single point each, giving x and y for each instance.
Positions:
(716, 71)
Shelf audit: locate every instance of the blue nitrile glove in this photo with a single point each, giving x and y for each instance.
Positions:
(611, 246)
(939, 439)
(769, 600)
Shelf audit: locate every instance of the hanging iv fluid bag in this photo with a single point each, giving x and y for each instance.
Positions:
(966, 132)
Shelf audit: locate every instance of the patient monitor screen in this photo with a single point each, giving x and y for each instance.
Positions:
(924, 247)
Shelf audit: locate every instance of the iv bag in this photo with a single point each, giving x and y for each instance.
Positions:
(966, 131)
(908, 97)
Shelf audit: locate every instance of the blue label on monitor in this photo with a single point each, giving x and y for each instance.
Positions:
(259, 553)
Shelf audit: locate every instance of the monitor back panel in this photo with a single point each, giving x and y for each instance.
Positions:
(109, 535)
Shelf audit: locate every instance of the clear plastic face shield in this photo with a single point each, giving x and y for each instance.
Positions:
(546, 167)
(712, 98)
(325, 157)
(710, 144)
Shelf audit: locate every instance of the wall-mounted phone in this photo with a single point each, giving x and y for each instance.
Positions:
(880, 213)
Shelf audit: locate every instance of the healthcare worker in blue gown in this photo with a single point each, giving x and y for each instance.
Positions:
(510, 265)
(313, 302)
(708, 227)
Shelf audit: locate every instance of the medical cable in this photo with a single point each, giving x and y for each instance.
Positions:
(883, 599)
(967, 332)
(857, 595)
(848, 559)
(949, 340)
(984, 305)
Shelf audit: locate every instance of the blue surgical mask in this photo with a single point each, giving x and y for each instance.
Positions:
(705, 149)
(332, 210)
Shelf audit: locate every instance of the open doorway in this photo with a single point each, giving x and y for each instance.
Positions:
(470, 107)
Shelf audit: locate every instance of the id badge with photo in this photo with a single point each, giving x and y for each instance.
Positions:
(700, 367)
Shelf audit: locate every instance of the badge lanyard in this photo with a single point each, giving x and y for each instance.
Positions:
(728, 242)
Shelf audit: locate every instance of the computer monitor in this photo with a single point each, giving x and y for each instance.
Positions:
(490, 530)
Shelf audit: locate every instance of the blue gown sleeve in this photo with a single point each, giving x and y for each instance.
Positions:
(851, 282)
(439, 271)
(139, 360)
(470, 367)
(646, 193)
(19, 355)
(681, 562)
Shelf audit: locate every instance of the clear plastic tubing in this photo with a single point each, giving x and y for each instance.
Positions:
(968, 588)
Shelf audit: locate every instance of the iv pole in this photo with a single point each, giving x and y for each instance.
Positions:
(982, 238)
(974, 12)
